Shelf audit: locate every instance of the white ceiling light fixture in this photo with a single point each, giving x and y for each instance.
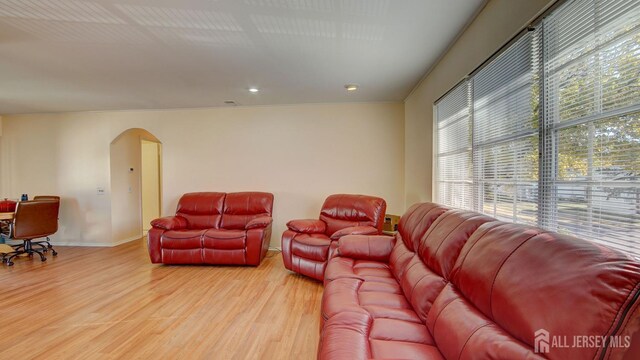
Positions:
(253, 90)
(351, 87)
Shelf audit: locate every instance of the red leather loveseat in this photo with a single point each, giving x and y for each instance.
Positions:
(309, 243)
(214, 228)
(455, 284)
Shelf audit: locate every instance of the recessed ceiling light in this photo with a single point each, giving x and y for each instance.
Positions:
(253, 90)
(351, 87)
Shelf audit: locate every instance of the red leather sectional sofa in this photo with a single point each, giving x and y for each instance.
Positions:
(214, 228)
(455, 284)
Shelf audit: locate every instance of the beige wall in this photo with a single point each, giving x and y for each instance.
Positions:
(301, 153)
(150, 183)
(494, 26)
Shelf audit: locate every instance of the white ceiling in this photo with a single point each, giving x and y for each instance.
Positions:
(73, 55)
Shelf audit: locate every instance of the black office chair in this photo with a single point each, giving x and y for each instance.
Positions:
(32, 220)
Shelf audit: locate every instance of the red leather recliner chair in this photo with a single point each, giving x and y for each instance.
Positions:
(308, 244)
(214, 228)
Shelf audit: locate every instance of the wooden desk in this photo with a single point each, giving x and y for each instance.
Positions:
(6, 216)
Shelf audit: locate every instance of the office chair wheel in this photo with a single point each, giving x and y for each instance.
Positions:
(9, 263)
(54, 253)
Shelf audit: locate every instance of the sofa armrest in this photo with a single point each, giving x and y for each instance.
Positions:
(366, 247)
(170, 223)
(307, 226)
(259, 222)
(355, 230)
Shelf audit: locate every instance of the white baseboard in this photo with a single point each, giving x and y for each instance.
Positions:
(124, 241)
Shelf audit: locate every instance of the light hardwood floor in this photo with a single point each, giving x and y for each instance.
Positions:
(94, 303)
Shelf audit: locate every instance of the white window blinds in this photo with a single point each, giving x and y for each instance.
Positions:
(592, 85)
(505, 133)
(454, 160)
(548, 132)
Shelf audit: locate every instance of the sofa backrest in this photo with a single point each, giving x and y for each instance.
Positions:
(344, 210)
(201, 209)
(512, 283)
(442, 233)
(242, 207)
(415, 222)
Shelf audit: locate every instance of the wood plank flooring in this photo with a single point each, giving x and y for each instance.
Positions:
(110, 303)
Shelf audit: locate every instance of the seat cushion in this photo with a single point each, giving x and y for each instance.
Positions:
(357, 295)
(224, 247)
(358, 335)
(313, 247)
(224, 239)
(182, 239)
(342, 267)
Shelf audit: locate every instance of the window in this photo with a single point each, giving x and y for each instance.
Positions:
(454, 160)
(505, 134)
(548, 131)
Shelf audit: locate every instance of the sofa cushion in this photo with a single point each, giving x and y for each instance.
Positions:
(354, 335)
(224, 239)
(181, 246)
(202, 210)
(365, 247)
(182, 239)
(242, 207)
(344, 267)
(416, 221)
(312, 247)
(441, 244)
(355, 295)
(344, 210)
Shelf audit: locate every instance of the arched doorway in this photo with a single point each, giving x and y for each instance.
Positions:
(136, 183)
